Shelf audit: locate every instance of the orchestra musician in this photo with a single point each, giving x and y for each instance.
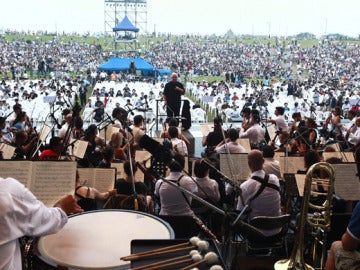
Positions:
(353, 138)
(280, 125)
(246, 121)
(255, 132)
(334, 120)
(347, 129)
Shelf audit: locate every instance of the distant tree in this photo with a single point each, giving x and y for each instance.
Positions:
(229, 34)
(305, 36)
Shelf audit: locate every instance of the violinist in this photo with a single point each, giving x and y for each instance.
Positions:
(173, 122)
(312, 133)
(280, 124)
(354, 137)
(347, 129)
(22, 122)
(246, 121)
(229, 145)
(255, 132)
(23, 145)
(334, 120)
(16, 110)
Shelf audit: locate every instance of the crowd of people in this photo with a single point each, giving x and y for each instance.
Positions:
(303, 92)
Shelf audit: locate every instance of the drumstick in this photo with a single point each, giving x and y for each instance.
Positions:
(209, 258)
(193, 241)
(201, 245)
(194, 255)
(169, 251)
(194, 258)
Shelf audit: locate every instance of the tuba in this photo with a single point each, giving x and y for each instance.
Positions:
(318, 191)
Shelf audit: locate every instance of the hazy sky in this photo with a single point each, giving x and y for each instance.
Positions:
(277, 17)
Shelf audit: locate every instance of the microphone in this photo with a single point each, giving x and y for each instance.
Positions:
(110, 119)
(129, 110)
(67, 104)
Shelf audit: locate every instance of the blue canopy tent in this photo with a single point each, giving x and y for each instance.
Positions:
(125, 25)
(124, 64)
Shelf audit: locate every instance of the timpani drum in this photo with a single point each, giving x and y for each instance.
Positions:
(97, 239)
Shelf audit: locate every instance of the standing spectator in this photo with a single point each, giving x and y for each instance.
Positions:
(82, 94)
(99, 110)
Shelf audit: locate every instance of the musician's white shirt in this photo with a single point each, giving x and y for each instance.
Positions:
(266, 204)
(172, 199)
(354, 138)
(350, 125)
(22, 214)
(179, 146)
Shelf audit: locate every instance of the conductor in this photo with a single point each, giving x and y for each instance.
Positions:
(172, 96)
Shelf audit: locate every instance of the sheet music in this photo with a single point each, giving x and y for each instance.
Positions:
(109, 131)
(347, 185)
(17, 169)
(44, 133)
(300, 182)
(294, 164)
(235, 165)
(102, 179)
(244, 142)
(206, 129)
(141, 155)
(85, 177)
(53, 180)
(7, 150)
(78, 148)
(344, 156)
(139, 175)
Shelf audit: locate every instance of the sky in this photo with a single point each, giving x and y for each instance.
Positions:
(254, 17)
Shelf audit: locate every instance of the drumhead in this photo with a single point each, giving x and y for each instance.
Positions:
(97, 239)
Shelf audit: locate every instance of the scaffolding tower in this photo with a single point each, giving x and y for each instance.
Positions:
(116, 10)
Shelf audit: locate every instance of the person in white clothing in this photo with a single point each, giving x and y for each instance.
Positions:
(173, 201)
(178, 145)
(255, 132)
(207, 188)
(229, 145)
(354, 138)
(22, 214)
(265, 202)
(280, 124)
